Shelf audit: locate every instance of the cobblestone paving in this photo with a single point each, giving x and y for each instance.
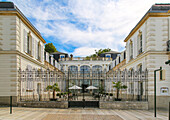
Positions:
(20, 113)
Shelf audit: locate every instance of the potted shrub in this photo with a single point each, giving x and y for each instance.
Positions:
(55, 88)
(111, 95)
(118, 85)
(62, 94)
(58, 94)
(107, 97)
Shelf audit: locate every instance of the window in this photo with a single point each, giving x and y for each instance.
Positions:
(124, 56)
(73, 69)
(164, 90)
(131, 50)
(38, 50)
(28, 44)
(96, 70)
(139, 42)
(62, 56)
(108, 55)
(119, 59)
(85, 70)
(168, 45)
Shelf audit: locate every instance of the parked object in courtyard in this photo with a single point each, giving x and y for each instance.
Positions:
(118, 85)
(75, 87)
(91, 87)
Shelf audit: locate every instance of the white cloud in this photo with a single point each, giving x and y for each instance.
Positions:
(108, 22)
(84, 51)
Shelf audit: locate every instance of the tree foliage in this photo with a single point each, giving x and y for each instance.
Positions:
(118, 85)
(54, 87)
(99, 52)
(50, 48)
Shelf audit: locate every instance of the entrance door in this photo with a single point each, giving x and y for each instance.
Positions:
(39, 91)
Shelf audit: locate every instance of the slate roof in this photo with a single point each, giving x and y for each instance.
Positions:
(58, 53)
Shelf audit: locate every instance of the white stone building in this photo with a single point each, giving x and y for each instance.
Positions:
(21, 46)
(147, 48)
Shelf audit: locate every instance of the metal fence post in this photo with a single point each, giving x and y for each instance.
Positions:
(10, 104)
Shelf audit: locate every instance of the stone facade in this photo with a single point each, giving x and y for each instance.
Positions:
(146, 48)
(120, 105)
(21, 47)
(49, 104)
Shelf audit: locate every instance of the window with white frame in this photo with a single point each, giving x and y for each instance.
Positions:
(164, 90)
(27, 42)
(108, 55)
(62, 56)
(139, 42)
(131, 50)
(38, 50)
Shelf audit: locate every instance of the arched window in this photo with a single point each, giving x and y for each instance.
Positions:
(96, 68)
(85, 70)
(73, 68)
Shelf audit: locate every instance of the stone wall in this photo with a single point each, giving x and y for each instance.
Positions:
(5, 100)
(134, 105)
(46, 104)
(162, 102)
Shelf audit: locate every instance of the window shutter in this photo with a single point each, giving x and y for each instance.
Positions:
(36, 49)
(42, 53)
(33, 47)
(25, 41)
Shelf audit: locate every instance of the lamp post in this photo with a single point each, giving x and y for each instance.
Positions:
(155, 88)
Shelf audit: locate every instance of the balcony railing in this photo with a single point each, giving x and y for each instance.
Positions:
(86, 59)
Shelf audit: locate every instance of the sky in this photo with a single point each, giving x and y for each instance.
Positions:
(80, 27)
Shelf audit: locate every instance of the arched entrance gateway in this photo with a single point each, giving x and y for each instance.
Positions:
(84, 85)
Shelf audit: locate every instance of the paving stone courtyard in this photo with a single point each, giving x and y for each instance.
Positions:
(20, 113)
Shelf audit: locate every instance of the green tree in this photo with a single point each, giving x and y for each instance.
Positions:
(98, 53)
(54, 87)
(118, 85)
(50, 48)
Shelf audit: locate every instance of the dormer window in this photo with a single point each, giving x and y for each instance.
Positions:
(62, 56)
(108, 55)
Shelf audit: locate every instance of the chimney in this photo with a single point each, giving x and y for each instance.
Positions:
(71, 57)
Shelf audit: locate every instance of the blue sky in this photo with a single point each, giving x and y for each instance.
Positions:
(82, 26)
